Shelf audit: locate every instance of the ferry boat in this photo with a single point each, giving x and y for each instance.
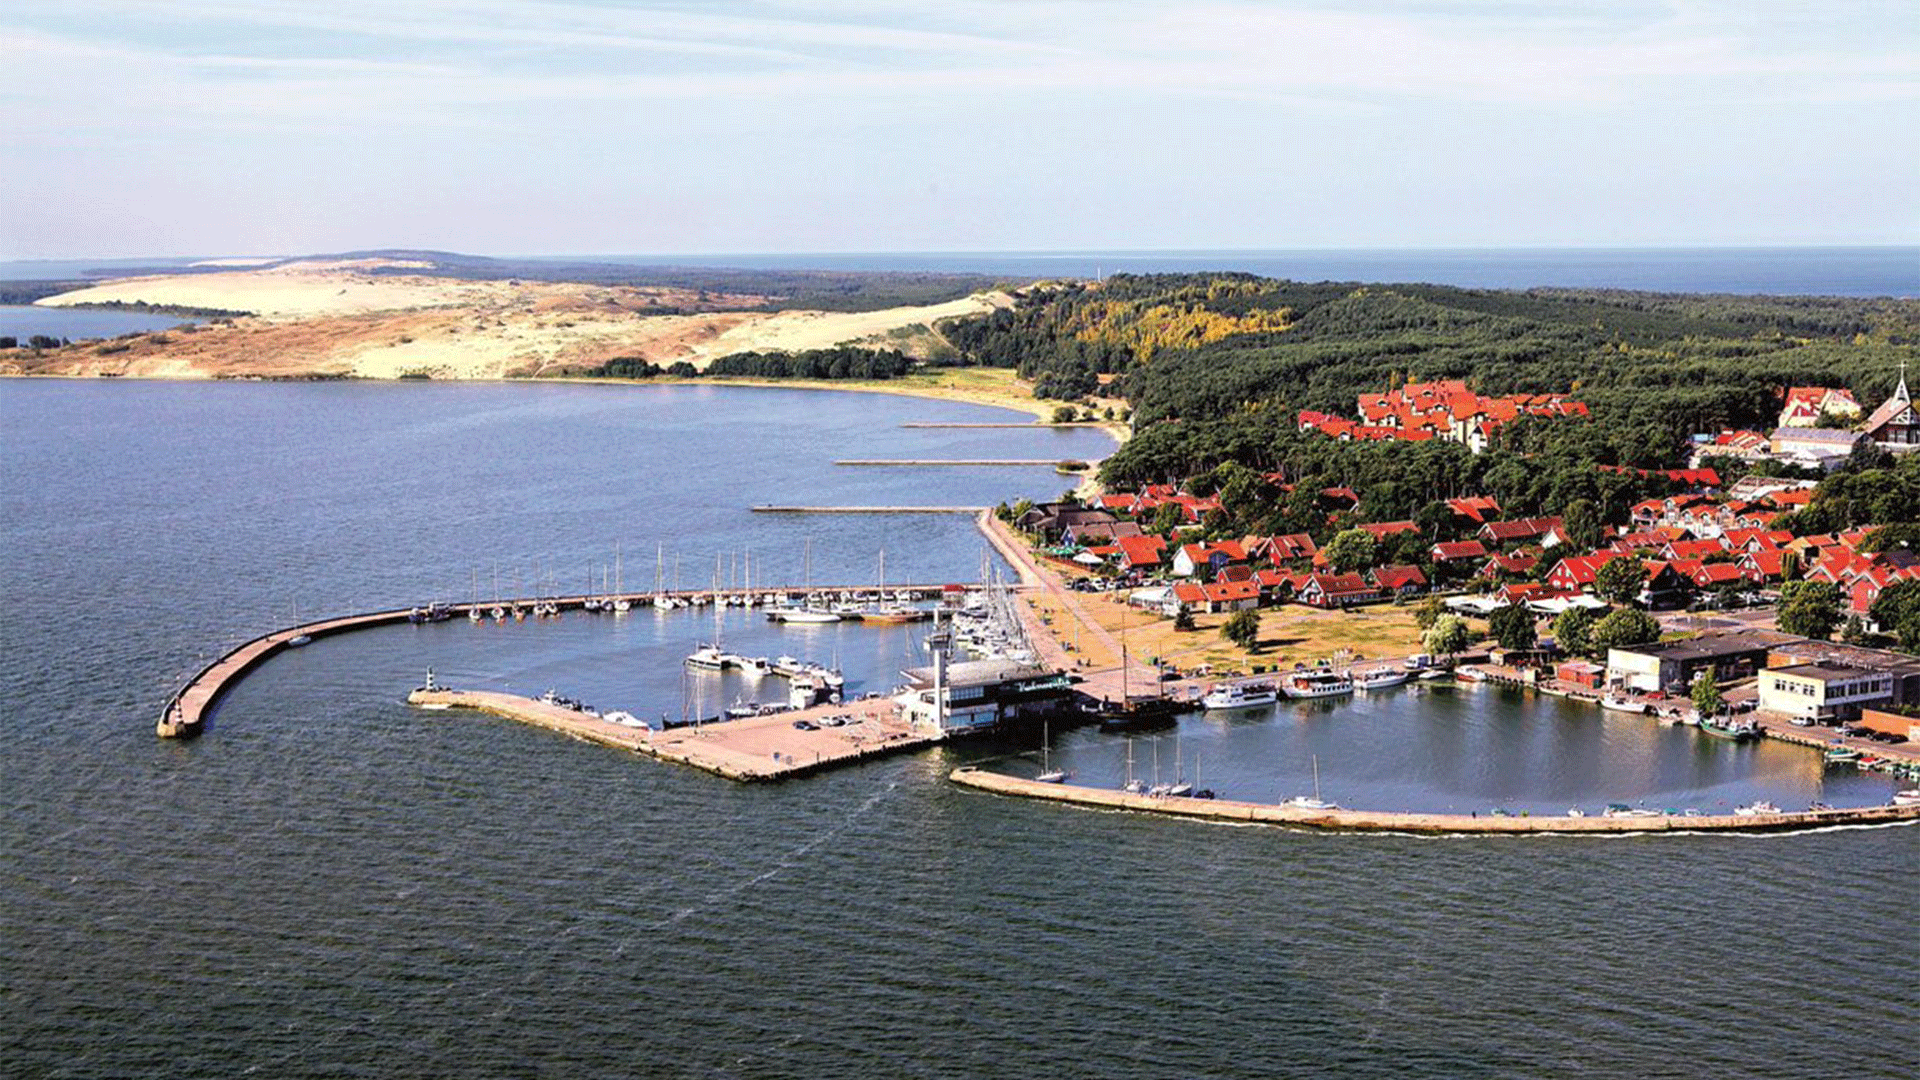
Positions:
(1317, 684)
(1382, 678)
(1240, 696)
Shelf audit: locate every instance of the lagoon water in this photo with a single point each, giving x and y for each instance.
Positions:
(23, 321)
(329, 883)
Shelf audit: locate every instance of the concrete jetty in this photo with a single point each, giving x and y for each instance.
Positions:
(954, 461)
(771, 509)
(1429, 824)
(186, 713)
(756, 749)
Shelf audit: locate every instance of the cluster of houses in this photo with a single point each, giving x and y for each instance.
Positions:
(1444, 410)
(1819, 427)
(1691, 543)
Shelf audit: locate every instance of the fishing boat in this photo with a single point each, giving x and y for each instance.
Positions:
(1382, 678)
(1314, 801)
(1048, 774)
(1725, 727)
(1317, 684)
(1840, 755)
(1224, 696)
(1619, 702)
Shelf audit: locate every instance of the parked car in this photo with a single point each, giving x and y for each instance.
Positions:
(806, 725)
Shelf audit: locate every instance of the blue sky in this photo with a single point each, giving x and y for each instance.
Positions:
(501, 126)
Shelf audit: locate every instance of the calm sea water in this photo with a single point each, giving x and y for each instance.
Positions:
(78, 324)
(1890, 270)
(329, 883)
(1893, 270)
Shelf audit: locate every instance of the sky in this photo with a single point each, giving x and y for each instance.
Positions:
(202, 127)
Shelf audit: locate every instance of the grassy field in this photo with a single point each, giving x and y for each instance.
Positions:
(1289, 635)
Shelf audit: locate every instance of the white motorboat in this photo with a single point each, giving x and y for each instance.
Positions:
(1908, 797)
(707, 658)
(1317, 684)
(626, 719)
(803, 615)
(754, 666)
(1619, 702)
(1755, 809)
(1381, 678)
(1240, 696)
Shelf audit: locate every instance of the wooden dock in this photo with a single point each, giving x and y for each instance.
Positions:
(753, 750)
(186, 713)
(1427, 824)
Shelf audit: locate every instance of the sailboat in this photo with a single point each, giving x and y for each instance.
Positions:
(1133, 786)
(474, 613)
(621, 604)
(298, 640)
(807, 613)
(895, 612)
(1315, 802)
(1048, 774)
(1180, 787)
(709, 657)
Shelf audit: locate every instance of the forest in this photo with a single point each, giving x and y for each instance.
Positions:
(843, 362)
(1215, 367)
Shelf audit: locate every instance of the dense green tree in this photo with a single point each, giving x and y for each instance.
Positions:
(1243, 629)
(1706, 694)
(1513, 627)
(1583, 525)
(1809, 608)
(1350, 550)
(1573, 631)
(1896, 611)
(1183, 619)
(1449, 634)
(1623, 628)
(1619, 580)
(1429, 612)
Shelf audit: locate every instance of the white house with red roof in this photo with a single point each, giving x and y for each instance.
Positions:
(1804, 405)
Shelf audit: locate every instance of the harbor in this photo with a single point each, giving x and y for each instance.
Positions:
(187, 711)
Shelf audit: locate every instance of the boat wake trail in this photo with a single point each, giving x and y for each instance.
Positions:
(785, 863)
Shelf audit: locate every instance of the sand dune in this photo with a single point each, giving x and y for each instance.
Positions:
(333, 318)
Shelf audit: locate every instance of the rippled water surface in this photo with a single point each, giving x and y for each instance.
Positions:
(330, 884)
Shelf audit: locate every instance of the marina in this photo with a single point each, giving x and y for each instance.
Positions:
(186, 712)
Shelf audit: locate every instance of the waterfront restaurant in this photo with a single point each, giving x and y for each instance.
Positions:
(954, 698)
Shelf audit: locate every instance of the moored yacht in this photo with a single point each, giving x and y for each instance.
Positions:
(1317, 684)
(1381, 678)
(1240, 696)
